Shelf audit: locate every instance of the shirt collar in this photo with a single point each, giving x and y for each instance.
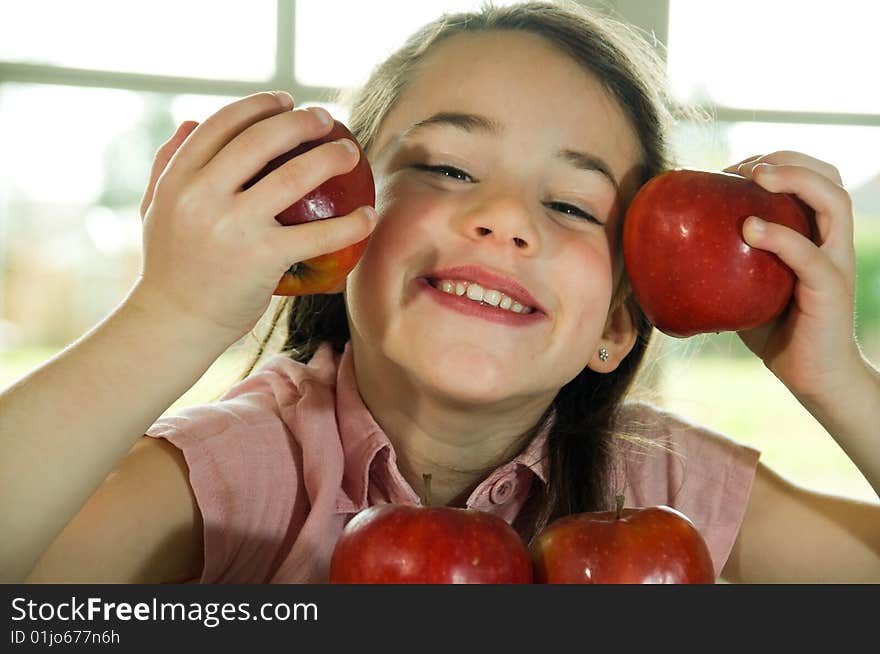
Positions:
(368, 451)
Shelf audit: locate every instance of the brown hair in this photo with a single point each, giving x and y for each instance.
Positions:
(584, 411)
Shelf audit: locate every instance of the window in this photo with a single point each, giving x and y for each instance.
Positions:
(781, 75)
(783, 55)
(323, 55)
(89, 90)
(158, 37)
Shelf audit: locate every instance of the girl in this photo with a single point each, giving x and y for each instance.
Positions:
(488, 335)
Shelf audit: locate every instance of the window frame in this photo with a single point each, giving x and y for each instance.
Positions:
(652, 18)
(282, 80)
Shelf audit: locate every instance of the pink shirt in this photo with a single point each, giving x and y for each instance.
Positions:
(286, 457)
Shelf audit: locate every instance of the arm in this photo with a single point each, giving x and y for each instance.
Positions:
(792, 534)
(141, 526)
(811, 348)
(65, 426)
(851, 417)
(213, 254)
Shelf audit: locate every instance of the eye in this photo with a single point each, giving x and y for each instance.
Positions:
(446, 171)
(571, 210)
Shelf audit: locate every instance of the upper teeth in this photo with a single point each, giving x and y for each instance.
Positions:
(477, 293)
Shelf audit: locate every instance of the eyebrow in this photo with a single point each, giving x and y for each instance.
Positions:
(475, 123)
(585, 161)
(463, 121)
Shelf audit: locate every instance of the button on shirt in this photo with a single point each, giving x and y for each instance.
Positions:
(288, 456)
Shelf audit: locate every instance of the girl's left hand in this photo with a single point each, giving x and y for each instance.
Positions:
(811, 347)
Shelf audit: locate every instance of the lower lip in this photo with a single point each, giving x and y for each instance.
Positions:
(463, 305)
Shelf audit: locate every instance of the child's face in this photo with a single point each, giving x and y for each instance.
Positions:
(515, 213)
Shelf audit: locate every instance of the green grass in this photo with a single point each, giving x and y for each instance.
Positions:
(16, 363)
(742, 399)
(733, 395)
(223, 373)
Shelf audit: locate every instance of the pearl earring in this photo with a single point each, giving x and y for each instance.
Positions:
(603, 353)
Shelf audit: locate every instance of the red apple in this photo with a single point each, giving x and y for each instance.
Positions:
(397, 544)
(691, 270)
(650, 545)
(337, 196)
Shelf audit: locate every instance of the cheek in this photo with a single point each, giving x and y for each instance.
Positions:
(409, 220)
(396, 237)
(402, 201)
(585, 280)
(405, 221)
(586, 263)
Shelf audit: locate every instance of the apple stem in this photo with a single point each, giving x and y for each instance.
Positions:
(426, 491)
(619, 499)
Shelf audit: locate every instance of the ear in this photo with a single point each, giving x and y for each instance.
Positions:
(618, 337)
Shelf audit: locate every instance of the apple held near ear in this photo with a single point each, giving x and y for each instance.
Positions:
(649, 545)
(690, 269)
(337, 196)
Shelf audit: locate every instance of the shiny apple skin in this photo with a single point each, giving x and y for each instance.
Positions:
(337, 196)
(397, 544)
(691, 270)
(650, 545)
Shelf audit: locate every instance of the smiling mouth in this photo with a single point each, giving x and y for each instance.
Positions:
(480, 295)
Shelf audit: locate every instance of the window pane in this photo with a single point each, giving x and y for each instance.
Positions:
(344, 54)
(198, 38)
(713, 380)
(851, 149)
(786, 54)
(73, 167)
(74, 164)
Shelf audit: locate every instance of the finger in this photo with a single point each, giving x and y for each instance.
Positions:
(163, 156)
(288, 183)
(224, 125)
(790, 157)
(733, 168)
(296, 243)
(248, 152)
(832, 204)
(813, 269)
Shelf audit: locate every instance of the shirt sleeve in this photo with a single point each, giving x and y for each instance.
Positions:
(243, 469)
(702, 473)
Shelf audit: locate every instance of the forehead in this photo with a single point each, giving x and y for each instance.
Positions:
(534, 89)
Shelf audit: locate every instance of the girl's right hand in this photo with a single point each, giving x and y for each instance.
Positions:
(214, 253)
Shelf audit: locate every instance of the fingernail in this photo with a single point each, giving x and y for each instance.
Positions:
(371, 213)
(763, 169)
(348, 145)
(322, 115)
(755, 227)
(284, 98)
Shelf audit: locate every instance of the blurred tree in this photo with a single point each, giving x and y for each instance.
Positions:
(129, 155)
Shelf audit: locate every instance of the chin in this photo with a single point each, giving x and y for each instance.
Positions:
(471, 375)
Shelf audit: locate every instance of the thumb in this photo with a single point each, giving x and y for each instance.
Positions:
(813, 269)
(163, 156)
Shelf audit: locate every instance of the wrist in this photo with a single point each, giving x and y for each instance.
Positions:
(845, 404)
(156, 313)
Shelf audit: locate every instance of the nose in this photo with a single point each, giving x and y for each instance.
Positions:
(505, 220)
